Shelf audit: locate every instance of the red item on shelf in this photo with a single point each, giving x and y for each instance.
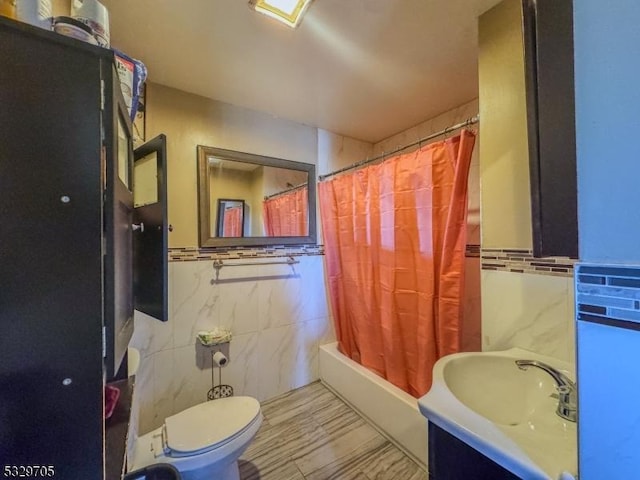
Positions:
(111, 396)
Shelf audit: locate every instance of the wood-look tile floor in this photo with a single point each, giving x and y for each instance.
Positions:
(310, 434)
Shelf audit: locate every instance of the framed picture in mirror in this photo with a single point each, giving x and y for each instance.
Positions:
(230, 216)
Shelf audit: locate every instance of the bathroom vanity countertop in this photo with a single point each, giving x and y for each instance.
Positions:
(116, 429)
(503, 412)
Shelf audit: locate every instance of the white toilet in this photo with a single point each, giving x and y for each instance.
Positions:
(204, 441)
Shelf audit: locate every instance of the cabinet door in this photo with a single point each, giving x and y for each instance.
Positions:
(119, 258)
(150, 245)
(452, 459)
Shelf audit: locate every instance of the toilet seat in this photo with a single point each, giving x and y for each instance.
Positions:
(208, 425)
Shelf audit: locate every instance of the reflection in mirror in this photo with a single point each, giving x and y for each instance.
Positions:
(285, 212)
(230, 218)
(145, 179)
(247, 199)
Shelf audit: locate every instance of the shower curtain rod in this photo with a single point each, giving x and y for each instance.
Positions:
(288, 190)
(467, 122)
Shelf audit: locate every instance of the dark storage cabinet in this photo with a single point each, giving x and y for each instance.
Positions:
(66, 247)
(452, 459)
(548, 45)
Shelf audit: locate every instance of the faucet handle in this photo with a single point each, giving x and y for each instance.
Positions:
(568, 396)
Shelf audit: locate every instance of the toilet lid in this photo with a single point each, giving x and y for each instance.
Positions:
(210, 423)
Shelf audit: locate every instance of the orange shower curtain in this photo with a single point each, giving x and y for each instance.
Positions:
(233, 222)
(286, 214)
(395, 237)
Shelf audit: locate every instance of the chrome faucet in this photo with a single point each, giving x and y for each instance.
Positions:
(567, 392)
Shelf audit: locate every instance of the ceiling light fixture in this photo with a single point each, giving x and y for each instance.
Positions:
(288, 12)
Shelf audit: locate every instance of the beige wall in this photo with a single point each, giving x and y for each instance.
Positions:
(504, 155)
(190, 120)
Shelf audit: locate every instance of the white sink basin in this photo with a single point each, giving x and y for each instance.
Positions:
(505, 413)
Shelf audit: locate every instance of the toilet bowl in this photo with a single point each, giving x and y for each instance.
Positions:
(204, 441)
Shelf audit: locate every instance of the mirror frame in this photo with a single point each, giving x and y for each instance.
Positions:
(204, 194)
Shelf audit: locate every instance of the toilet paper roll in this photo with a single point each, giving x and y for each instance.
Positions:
(220, 359)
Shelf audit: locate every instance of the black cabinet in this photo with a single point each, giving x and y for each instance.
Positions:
(548, 42)
(452, 459)
(66, 247)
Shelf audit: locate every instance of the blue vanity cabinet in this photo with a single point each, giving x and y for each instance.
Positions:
(452, 459)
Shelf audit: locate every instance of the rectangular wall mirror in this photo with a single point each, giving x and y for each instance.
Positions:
(253, 200)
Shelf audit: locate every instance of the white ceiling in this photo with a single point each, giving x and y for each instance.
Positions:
(363, 68)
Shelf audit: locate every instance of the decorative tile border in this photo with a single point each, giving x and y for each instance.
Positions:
(523, 261)
(472, 251)
(608, 294)
(193, 254)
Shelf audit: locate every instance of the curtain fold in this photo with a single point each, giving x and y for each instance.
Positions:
(287, 215)
(395, 238)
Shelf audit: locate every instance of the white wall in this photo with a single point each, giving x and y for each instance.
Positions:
(607, 68)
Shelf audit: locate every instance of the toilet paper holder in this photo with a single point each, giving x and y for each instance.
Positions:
(218, 359)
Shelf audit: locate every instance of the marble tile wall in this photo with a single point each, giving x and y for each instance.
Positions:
(530, 311)
(278, 316)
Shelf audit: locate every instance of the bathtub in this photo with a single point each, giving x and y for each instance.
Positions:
(391, 410)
